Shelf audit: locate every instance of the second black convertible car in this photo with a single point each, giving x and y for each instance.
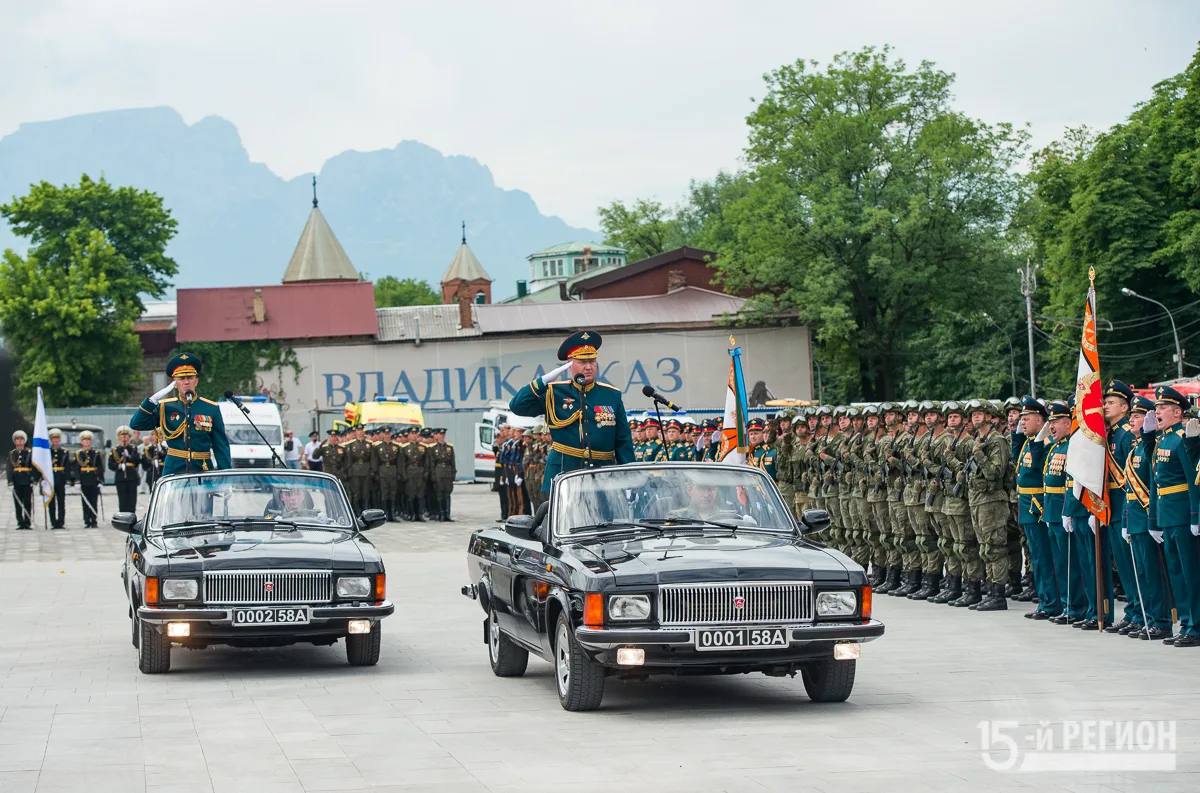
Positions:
(252, 559)
(677, 568)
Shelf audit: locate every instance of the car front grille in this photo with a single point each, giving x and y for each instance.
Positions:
(737, 603)
(237, 587)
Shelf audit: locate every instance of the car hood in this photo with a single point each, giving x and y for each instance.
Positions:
(699, 558)
(257, 550)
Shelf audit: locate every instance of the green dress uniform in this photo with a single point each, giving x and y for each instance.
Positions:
(1146, 557)
(194, 434)
(1067, 576)
(1031, 491)
(1175, 511)
(1114, 550)
(588, 426)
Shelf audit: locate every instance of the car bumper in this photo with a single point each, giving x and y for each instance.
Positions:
(675, 648)
(215, 625)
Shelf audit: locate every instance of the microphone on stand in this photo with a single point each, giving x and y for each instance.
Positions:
(660, 399)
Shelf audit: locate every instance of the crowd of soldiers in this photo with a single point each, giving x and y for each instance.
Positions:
(407, 472)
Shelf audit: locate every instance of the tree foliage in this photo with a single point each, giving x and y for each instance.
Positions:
(393, 291)
(235, 366)
(68, 306)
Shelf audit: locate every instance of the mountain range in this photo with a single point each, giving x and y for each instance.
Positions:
(396, 211)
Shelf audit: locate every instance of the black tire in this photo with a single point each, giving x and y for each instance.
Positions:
(154, 649)
(828, 681)
(362, 649)
(579, 679)
(506, 657)
(135, 629)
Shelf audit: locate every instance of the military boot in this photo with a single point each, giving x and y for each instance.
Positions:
(951, 588)
(996, 602)
(970, 595)
(1013, 586)
(878, 574)
(1027, 592)
(891, 582)
(929, 588)
(912, 582)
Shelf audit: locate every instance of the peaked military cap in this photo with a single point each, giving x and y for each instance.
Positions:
(1031, 405)
(650, 422)
(20, 434)
(672, 424)
(1142, 404)
(1165, 395)
(582, 345)
(428, 433)
(756, 424)
(1119, 389)
(184, 364)
(54, 433)
(1058, 409)
(86, 434)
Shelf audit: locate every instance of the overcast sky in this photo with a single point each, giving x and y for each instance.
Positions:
(578, 103)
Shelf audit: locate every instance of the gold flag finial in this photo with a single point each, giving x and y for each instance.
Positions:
(732, 341)
(1092, 276)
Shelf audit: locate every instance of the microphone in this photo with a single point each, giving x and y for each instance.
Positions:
(580, 380)
(233, 398)
(189, 397)
(660, 399)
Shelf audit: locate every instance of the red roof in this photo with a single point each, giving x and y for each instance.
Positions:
(280, 311)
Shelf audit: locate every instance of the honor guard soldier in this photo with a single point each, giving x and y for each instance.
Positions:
(653, 450)
(1054, 488)
(190, 424)
(761, 454)
(1076, 522)
(416, 474)
(124, 461)
(359, 457)
(1118, 399)
(635, 432)
(153, 455)
(1147, 562)
(677, 448)
(443, 470)
(586, 418)
(60, 464)
(1174, 516)
(387, 469)
(1029, 466)
(87, 468)
(21, 476)
(783, 456)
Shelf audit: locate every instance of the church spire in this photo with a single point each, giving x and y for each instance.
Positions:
(464, 232)
(314, 191)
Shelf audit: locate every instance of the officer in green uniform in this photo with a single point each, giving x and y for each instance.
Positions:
(442, 470)
(1068, 580)
(1031, 458)
(1154, 617)
(761, 454)
(677, 449)
(359, 455)
(653, 450)
(1175, 509)
(190, 424)
(387, 471)
(1118, 399)
(586, 417)
(639, 440)
(1076, 522)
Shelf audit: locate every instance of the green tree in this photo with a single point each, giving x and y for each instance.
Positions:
(393, 291)
(878, 214)
(68, 306)
(237, 366)
(645, 229)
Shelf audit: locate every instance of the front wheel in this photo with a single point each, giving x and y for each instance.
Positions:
(154, 649)
(362, 649)
(828, 681)
(506, 658)
(580, 680)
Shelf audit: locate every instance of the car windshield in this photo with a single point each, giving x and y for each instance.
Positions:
(614, 498)
(296, 498)
(245, 434)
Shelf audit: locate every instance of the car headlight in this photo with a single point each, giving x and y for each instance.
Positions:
(629, 607)
(836, 604)
(358, 586)
(180, 589)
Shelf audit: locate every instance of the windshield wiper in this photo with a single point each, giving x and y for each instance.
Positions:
(188, 526)
(700, 521)
(624, 528)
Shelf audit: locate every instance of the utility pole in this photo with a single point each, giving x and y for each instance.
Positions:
(1028, 285)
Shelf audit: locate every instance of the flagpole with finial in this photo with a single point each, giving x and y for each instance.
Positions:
(1102, 603)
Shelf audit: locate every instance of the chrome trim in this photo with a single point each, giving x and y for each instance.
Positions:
(248, 587)
(708, 604)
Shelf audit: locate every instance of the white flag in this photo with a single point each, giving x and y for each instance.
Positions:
(41, 451)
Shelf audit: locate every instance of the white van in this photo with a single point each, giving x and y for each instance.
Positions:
(496, 416)
(246, 448)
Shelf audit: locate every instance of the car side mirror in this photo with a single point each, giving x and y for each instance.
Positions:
(125, 521)
(372, 518)
(520, 526)
(108, 444)
(814, 520)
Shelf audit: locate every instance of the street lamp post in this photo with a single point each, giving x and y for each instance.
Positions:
(1175, 331)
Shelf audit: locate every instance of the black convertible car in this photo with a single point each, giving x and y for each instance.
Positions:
(676, 568)
(252, 559)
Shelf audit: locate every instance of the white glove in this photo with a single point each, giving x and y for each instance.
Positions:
(1191, 429)
(1196, 530)
(1125, 535)
(1150, 423)
(1092, 523)
(1042, 433)
(159, 395)
(1067, 527)
(548, 376)
(1157, 535)
(518, 480)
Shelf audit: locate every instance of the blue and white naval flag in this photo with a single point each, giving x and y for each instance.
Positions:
(41, 451)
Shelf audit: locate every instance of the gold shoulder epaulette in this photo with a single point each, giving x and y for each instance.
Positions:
(209, 401)
(607, 385)
(168, 399)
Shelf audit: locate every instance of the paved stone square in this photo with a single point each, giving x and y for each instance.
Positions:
(76, 715)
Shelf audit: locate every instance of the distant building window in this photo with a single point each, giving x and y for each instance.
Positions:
(479, 298)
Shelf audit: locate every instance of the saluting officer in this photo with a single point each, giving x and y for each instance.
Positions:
(586, 417)
(1175, 510)
(21, 476)
(124, 461)
(190, 424)
(60, 464)
(87, 469)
